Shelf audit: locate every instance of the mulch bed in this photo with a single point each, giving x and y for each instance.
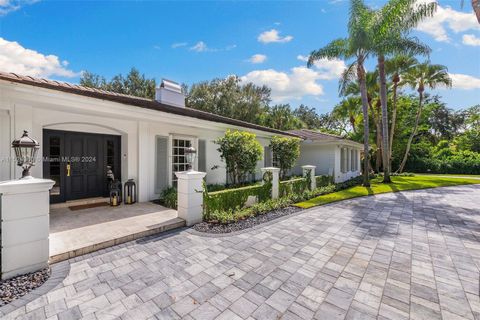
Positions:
(209, 227)
(19, 286)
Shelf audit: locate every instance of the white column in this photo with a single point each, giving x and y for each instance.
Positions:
(144, 170)
(275, 180)
(337, 172)
(308, 169)
(25, 210)
(190, 196)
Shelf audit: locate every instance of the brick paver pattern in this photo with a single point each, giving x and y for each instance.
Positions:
(392, 256)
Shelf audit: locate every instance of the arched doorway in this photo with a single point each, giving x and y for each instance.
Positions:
(78, 161)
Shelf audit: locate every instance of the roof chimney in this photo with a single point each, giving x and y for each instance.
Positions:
(170, 93)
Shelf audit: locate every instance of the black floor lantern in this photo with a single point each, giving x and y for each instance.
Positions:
(130, 192)
(115, 193)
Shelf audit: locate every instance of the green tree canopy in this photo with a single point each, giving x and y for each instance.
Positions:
(285, 152)
(240, 151)
(134, 83)
(230, 98)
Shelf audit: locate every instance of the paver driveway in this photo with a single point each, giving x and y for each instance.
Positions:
(410, 254)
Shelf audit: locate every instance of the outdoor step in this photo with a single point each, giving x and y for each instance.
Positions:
(79, 202)
(163, 227)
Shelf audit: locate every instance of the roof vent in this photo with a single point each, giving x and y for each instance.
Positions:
(170, 93)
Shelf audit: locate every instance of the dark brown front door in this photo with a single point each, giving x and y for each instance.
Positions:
(78, 161)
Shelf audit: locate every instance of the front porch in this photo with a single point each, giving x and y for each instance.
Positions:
(78, 232)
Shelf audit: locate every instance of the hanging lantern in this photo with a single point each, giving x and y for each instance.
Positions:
(190, 154)
(130, 192)
(115, 193)
(26, 150)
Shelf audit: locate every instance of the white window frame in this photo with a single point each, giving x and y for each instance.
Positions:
(194, 143)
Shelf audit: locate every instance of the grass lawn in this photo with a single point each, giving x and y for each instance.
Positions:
(398, 184)
(449, 175)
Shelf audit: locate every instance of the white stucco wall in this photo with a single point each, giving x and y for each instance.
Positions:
(321, 156)
(34, 109)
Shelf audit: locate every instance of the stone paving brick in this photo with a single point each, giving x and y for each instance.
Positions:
(243, 307)
(280, 300)
(392, 256)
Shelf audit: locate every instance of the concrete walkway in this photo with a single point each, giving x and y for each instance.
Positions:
(400, 255)
(74, 233)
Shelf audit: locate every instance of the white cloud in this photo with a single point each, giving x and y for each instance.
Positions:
(299, 82)
(17, 59)
(7, 6)
(448, 19)
(258, 58)
(273, 36)
(471, 40)
(179, 44)
(327, 69)
(201, 46)
(464, 81)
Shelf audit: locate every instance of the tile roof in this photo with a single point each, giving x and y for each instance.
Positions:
(132, 100)
(318, 136)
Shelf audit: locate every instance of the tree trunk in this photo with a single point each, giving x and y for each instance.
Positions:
(414, 132)
(378, 135)
(352, 123)
(363, 93)
(383, 101)
(476, 8)
(394, 119)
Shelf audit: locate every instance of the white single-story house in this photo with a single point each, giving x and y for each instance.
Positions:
(83, 130)
(331, 154)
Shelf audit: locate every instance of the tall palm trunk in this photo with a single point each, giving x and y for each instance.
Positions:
(352, 123)
(396, 79)
(378, 134)
(363, 92)
(383, 101)
(415, 128)
(476, 8)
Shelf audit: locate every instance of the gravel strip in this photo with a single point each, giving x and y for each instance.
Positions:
(19, 286)
(208, 227)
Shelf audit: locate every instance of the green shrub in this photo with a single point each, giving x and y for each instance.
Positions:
(323, 181)
(286, 152)
(293, 186)
(241, 151)
(233, 199)
(230, 215)
(459, 162)
(169, 197)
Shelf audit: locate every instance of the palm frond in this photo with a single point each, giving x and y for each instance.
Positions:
(338, 48)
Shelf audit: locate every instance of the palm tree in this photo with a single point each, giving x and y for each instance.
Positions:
(348, 87)
(424, 75)
(476, 8)
(348, 108)
(396, 68)
(389, 32)
(356, 46)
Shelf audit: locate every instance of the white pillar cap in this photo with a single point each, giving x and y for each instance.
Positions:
(273, 169)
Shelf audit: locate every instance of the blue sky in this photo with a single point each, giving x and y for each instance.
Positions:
(264, 42)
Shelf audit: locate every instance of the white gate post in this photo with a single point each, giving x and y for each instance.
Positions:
(305, 171)
(275, 180)
(25, 219)
(190, 196)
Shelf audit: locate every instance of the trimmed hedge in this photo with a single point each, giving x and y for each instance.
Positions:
(323, 181)
(293, 186)
(465, 162)
(233, 199)
(233, 215)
